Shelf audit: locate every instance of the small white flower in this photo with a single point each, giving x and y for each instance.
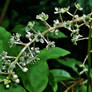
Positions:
(56, 32)
(25, 69)
(42, 16)
(76, 16)
(15, 38)
(37, 50)
(56, 22)
(7, 86)
(17, 81)
(30, 35)
(86, 19)
(39, 37)
(60, 10)
(30, 26)
(15, 76)
(68, 25)
(78, 7)
(4, 55)
(50, 44)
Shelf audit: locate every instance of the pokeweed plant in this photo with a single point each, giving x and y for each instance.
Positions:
(30, 53)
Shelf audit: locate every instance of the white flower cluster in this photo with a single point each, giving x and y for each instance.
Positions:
(87, 19)
(15, 39)
(61, 10)
(42, 16)
(5, 62)
(30, 56)
(78, 7)
(39, 37)
(75, 36)
(30, 26)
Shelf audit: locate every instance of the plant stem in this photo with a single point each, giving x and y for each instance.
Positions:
(74, 14)
(61, 17)
(89, 55)
(4, 11)
(73, 85)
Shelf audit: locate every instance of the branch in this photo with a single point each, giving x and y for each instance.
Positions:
(73, 85)
(89, 55)
(4, 11)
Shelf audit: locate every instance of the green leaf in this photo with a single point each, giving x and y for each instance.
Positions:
(52, 82)
(60, 75)
(36, 78)
(13, 88)
(39, 26)
(60, 35)
(53, 53)
(5, 38)
(70, 62)
(19, 28)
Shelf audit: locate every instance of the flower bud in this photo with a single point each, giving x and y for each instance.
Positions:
(7, 86)
(17, 80)
(15, 76)
(25, 69)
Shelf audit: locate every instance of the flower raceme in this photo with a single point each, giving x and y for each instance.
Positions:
(29, 53)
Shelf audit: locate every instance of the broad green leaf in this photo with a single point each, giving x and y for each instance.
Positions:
(60, 75)
(39, 26)
(36, 79)
(53, 83)
(70, 62)
(5, 38)
(60, 35)
(13, 88)
(53, 53)
(19, 28)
